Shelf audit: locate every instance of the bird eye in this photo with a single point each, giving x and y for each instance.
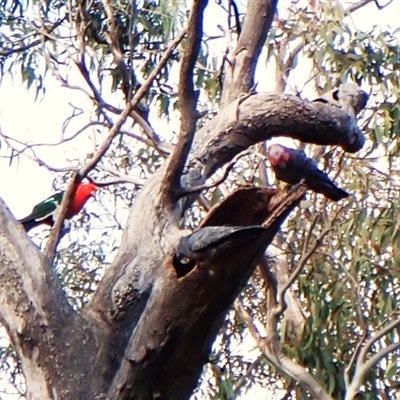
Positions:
(185, 260)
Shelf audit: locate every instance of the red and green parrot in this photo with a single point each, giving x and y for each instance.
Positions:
(45, 211)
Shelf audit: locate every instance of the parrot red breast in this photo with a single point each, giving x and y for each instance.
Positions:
(44, 212)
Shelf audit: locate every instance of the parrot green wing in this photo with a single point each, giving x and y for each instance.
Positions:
(45, 209)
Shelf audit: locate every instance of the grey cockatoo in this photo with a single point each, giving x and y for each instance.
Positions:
(293, 166)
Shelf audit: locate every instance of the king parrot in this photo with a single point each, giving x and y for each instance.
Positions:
(292, 166)
(44, 212)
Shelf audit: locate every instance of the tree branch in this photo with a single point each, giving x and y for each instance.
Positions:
(132, 104)
(378, 335)
(357, 6)
(239, 77)
(295, 371)
(112, 39)
(235, 9)
(32, 302)
(285, 67)
(306, 256)
(227, 168)
(275, 355)
(275, 272)
(363, 366)
(262, 116)
(360, 4)
(6, 53)
(353, 359)
(187, 102)
(59, 222)
(270, 347)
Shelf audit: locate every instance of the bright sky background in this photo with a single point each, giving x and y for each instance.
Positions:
(24, 183)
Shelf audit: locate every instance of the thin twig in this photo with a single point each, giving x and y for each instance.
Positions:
(34, 158)
(133, 10)
(281, 291)
(123, 177)
(23, 49)
(360, 4)
(287, 67)
(114, 182)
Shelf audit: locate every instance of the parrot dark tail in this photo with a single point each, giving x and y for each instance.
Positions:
(334, 193)
(30, 224)
(33, 223)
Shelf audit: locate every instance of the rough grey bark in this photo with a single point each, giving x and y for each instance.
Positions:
(174, 335)
(46, 333)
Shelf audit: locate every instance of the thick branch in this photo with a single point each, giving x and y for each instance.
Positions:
(32, 303)
(261, 117)
(187, 102)
(20, 258)
(239, 76)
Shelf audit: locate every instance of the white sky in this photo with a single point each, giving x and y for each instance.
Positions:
(24, 183)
